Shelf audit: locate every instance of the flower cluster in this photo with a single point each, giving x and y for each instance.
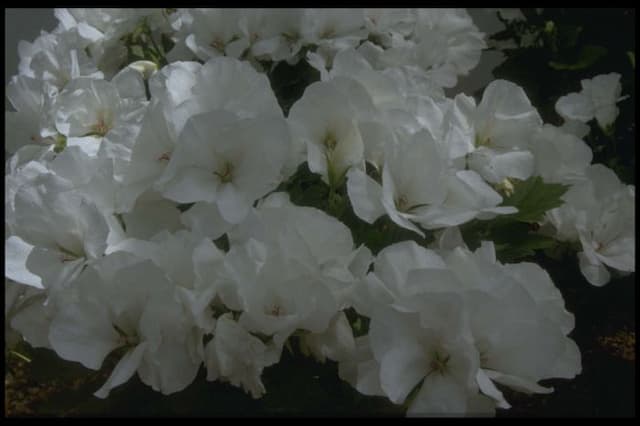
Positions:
(148, 216)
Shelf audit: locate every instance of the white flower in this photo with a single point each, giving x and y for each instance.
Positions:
(390, 281)
(532, 344)
(227, 161)
(431, 349)
(278, 295)
(418, 188)
(31, 122)
(236, 356)
(504, 123)
(188, 88)
(56, 233)
(56, 59)
(597, 99)
(213, 32)
(599, 212)
(308, 236)
(122, 302)
(275, 34)
(560, 157)
(453, 31)
(336, 343)
(443, 41)
(333, 30)
(27, 315)
(413, 176)
(100, 118)
(324, 120)
(102, 29)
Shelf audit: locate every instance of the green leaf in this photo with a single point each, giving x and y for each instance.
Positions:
(533, 197)
(568, 35)
(137, 51)
(513, 240)
(61, 143)
(522, 246)
(589, 55)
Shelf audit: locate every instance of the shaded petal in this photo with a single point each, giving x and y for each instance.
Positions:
(123, 371)
(365, 195)
(401, 369)
(15, 268)
(83, 333)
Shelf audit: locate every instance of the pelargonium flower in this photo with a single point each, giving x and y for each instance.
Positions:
(598, 212)
(109, 306)
(597, 100)
(450, 198)
(227, 161)
(102, 118)
(324, 121)
(31, 123)
(213, 32)
(503, 124)
(55, 233)
(461, 297)
(56, 59)
(236, 356)
(560, 157)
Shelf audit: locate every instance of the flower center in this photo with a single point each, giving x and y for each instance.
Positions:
(402, 204)
(101, 128)
(218, 44)
(125, 339)
(330, 142)
(328, 33)
(505, 187)
(226, 175)
(276, 310)
(480, 141)
(68, 255)
(439, 363)
(166, 156)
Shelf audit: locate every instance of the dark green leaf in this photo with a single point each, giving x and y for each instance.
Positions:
(533, 197)
(589, 55)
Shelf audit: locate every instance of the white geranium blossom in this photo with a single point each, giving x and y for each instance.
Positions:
(504, 123)
(560, 157)
(205, 186)
(56, 233)
(227, 161)
(324, 121)
(450, 199)
(236, 356)
(111, 305)
(598, 213)
(597, 99)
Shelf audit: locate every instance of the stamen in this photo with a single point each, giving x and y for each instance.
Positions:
(227, 173)
(330, 142)
(166, 156)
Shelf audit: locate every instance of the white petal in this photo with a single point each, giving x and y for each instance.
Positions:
(488, 388)
(192, 185)
(439, 396)
(205, 219)
(16, 254)
(123, 371)
(365, 195)
(232, 203)
(575, 106)
(620, 254)
(517, 383)
(595, 273)
(83, 333)
(401, 369)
